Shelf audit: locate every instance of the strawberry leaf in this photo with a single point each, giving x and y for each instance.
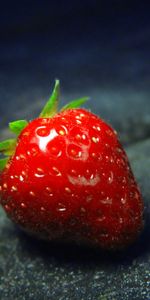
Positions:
(3, 162)
(17, 126)
(50, 109)
(75, 103)
(7, 147)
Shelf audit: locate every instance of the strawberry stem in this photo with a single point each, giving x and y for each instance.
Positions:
(51, 107)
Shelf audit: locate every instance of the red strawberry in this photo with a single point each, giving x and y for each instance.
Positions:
(69, 178)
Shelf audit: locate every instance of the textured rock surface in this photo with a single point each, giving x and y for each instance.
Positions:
(105, 56)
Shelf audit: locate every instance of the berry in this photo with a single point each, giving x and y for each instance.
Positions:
(66, 176)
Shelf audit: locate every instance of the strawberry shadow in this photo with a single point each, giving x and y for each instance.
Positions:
(84, 255)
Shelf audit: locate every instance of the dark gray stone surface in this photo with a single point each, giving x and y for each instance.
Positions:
(100, 50)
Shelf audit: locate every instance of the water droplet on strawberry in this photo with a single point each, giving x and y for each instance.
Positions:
(68, 190)
(95, 139)
(73, 172)
(96, 156)
(7, 208)
(96, 127)
(23, 205)
(48, 192)
(78, 117)
(111, 177)
(32, 193)
(33, 150)
(23, 175)
(42, 131)
(79, 135)
(109, 132)
(39, 172)
(62, 130)
(55, 171)
(42, 209)
(78, 122)
(55, 151)
(14, 189)
(82, 115)
(61, 207)
(107, 200)
(48, 189)
(123, 200)
(80, 138)
(82, 211)
(21, 178)
(120, 162)
(74, 151)
(124, 180)
(22, 157)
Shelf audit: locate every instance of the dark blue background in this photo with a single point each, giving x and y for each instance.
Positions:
(96, 48)
(100, 49)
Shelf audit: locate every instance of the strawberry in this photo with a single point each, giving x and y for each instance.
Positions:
(66, 176)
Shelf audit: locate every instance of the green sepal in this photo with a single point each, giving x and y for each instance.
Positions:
(75, 103)
(3, 162)
(17, 126)
(7, 147)
(51, 107)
